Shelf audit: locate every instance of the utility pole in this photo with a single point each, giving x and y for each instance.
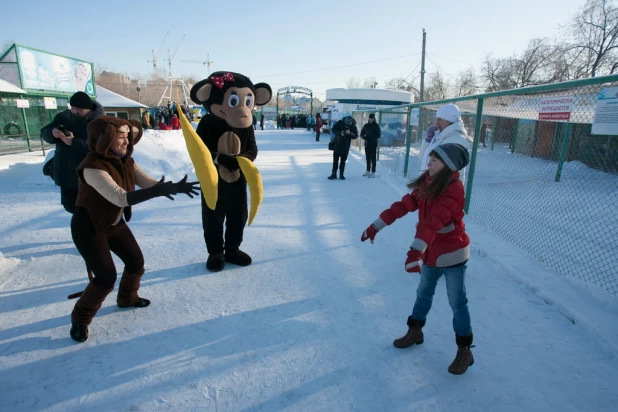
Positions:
(423, 68)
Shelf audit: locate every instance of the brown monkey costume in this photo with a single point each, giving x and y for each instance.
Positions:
(107, 182)
(227, 131)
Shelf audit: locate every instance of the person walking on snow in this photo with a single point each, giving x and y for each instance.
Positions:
(440, 242)
(345, 130)
(370, 133)
(318, 126)
(450, 130)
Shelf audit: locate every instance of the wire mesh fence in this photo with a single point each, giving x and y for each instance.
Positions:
(20, 128)
(547, 186)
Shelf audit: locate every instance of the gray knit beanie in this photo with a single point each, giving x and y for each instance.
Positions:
(455, 156)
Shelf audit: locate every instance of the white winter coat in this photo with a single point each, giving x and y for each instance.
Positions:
(454, 133)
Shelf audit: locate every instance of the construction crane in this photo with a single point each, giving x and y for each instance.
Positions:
(171, 55)
(155, 55)
(179, 82)
(206, 62)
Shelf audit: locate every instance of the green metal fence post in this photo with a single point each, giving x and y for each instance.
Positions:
(493, 130)
(475, 148)
(515, 132)
(565, 150)
(379, 122)
(23, 112)
(408, 143)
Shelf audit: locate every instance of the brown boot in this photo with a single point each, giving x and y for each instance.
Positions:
(413, 336)
(464, 357)
(127, 291)
(85, 309)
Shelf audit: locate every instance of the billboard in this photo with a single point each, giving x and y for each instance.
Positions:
(40, 70)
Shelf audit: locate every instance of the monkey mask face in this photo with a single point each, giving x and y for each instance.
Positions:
(231, 97)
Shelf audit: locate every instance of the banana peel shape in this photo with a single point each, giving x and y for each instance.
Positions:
(201, 158)
(254, 181)
(207, 175)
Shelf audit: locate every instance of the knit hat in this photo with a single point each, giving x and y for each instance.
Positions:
(454, 155)
(449, 112)
(347, 120)
(372, 116)
(431, 131)
(81, 100)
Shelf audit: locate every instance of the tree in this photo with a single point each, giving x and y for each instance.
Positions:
(466, 83)
(399, 83)
(539, 63)
(353, 83)
(594, 38)
(437, 88)
(370, 83)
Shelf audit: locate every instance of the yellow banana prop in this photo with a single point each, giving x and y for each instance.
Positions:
(202, 161)
(254, 180)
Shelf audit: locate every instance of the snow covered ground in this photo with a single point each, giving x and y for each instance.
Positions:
(308, 326)
(517, 197)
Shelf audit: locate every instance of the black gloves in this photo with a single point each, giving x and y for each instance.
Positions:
(163, 188)
(227, 161)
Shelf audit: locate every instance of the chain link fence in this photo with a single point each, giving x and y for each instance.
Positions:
(20, 128)
(549, 187)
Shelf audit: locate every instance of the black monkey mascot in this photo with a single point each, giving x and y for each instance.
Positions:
(227, 132)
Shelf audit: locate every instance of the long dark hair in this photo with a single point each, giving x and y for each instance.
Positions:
(438, 183)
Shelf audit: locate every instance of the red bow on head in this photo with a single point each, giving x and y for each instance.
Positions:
(220, 80)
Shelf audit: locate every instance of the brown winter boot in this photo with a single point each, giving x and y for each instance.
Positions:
(413, 336)
(464, 357)
(85, 308)
(127, 291)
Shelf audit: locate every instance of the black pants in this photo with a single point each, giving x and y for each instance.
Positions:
(68, 197)
(317, 137)
(336, 157)
(370, 155)
(96, 248)
(232, 210)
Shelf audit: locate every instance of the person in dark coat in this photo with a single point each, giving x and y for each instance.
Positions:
(345, 130)
(262, 121)
(370, 133)
(68, 131)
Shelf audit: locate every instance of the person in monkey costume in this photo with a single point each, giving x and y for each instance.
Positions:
(227, 131)
(107, 180)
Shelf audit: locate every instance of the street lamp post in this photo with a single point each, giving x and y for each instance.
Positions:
(138, 89)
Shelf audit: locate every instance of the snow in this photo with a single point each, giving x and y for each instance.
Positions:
(108, 98)
(308, 326)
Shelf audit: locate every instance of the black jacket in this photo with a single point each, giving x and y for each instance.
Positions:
(371, 133)
(67, 158)
(343, 140)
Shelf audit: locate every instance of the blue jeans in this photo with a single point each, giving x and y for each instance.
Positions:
(455, 289)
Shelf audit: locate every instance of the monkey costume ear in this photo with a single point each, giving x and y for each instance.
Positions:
(263, 94)
(136, 131)
(200, 92)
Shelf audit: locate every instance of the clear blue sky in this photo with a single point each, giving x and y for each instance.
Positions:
(267, 40)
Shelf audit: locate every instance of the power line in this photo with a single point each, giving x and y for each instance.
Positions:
(457, 61)
(442, 70)
(339, 67)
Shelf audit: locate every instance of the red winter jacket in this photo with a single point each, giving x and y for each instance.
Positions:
(440, 233)
(318, 125)
(175, 123)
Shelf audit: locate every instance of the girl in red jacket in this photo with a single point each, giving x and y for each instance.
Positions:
(440, 242)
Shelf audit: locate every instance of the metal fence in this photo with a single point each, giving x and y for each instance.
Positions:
(548, 187)
(20, 128)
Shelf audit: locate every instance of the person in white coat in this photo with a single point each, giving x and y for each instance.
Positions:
(451, 130)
